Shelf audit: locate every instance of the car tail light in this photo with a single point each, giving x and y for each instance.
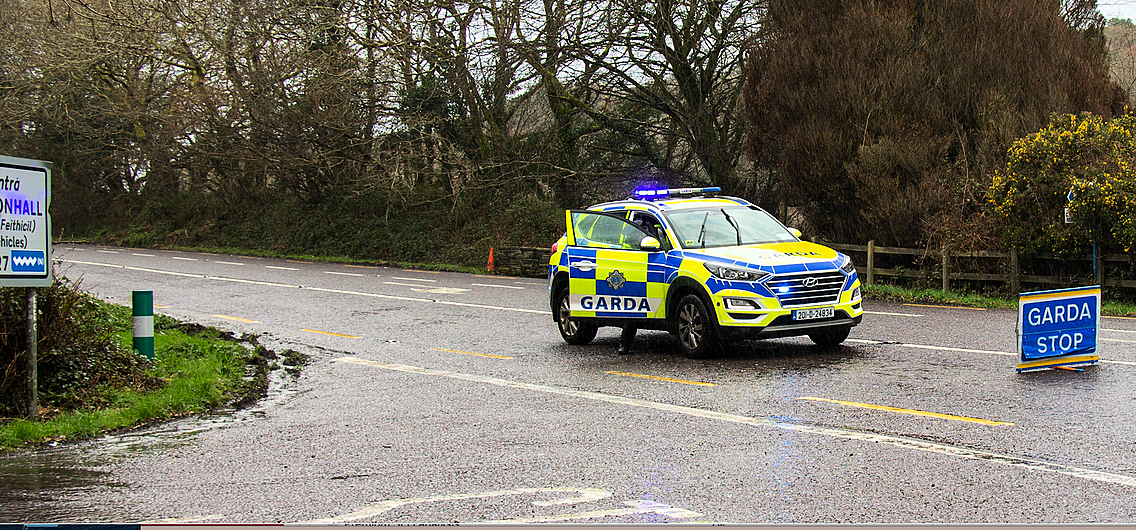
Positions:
(554, 245)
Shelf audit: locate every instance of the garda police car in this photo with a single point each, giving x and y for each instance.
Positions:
(707, 269)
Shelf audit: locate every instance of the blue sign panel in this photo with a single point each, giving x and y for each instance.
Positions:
(1058, 328)
(28, 261)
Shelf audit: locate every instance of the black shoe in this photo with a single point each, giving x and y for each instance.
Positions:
(623, 350)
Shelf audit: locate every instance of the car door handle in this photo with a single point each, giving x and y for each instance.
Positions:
(584, 265)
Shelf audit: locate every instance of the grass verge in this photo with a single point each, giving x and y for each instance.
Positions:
(892, 293)
(196, 369)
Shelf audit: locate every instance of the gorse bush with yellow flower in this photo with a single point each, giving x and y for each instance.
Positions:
(1093, 157)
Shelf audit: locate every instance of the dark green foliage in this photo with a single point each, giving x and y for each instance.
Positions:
(370, 225)
(80, 355)
(885, 119)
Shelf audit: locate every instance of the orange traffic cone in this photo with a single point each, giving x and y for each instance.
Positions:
(492, 265)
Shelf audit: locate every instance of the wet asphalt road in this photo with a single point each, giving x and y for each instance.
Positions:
(442, 397)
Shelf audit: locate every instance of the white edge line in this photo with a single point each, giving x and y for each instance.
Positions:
(965, 350)
(893, 314)
(919, 445)
(492, 285)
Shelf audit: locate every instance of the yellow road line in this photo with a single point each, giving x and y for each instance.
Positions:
(359, 266)
(906, 411)
(1120, 330)
(1120, 340)
(238, 319)
(668, 379)
(472, 353)
(423, 272)
(161, 306)
(949, 307)
(332, 334)
(1121, 318)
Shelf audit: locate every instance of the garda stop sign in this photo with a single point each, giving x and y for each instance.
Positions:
(1058, 328)
(25, 228)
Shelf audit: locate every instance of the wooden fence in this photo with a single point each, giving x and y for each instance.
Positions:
(945, 267)
(1095, 272)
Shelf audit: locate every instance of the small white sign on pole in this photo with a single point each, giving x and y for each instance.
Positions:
(25, 226)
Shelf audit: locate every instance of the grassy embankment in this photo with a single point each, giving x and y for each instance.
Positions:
(195, 369)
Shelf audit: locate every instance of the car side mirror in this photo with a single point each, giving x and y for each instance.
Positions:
(651, 244)
(796, 233)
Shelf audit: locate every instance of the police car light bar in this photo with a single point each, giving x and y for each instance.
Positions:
(650, 194)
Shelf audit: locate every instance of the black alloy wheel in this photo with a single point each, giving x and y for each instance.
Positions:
(695, 328)
(575, 331)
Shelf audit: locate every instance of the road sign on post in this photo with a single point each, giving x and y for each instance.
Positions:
(1058, 328)
(25, 227)
(25, 244)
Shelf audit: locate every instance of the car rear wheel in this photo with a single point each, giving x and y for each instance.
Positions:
(575, 331)
(829, 337)
(695, 328)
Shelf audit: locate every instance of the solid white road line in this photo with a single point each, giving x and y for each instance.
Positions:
(966, 350)
(500, 286)
(893, 314)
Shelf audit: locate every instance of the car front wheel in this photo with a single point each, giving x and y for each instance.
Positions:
(575, 331)
(695, 329)
(829, 337)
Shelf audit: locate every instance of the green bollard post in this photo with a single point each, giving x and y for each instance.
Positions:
(143, 302)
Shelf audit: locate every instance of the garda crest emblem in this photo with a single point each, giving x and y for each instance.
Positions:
(615, 280)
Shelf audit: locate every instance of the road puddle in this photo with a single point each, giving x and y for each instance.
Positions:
(53, 483)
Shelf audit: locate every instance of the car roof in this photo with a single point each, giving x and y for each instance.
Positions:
(685, 203)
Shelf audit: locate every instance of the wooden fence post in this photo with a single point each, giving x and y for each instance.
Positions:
(871, 259)
(1015, 273)
(946, 272)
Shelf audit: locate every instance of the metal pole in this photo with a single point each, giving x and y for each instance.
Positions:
(143, 303)
(33, 340)
(1098, 270)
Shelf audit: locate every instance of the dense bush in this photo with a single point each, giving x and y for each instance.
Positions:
(1084, 153)
(885, 119)
(80, 357)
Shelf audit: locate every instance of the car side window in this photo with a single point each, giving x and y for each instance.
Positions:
(599, 230)
(650, 224)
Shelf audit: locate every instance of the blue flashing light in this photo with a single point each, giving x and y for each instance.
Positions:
(782, 290)
(650, 193)
(654, 194)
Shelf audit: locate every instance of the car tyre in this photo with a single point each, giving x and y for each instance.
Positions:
(695, 328)
(829, 337)
(575, 331)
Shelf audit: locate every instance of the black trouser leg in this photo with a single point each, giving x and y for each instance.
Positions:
(626, 337)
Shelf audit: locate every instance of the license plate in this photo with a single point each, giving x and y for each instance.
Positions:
(816, 312)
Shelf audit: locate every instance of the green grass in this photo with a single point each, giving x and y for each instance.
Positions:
(200, 374)
(935, 296)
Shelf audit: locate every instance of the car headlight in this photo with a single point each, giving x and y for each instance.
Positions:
(848, 266)
(733, 273)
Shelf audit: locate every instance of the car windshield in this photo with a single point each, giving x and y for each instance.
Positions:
(726, 227)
